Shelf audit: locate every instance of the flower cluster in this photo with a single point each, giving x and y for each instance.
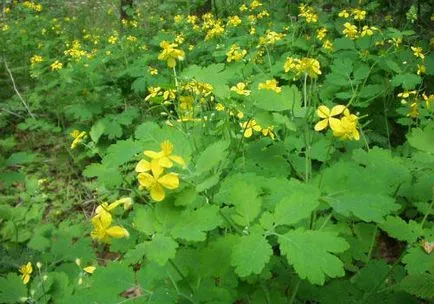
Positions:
(308, 13)
(251, 125)
(151, 172)
(26, 270)
(33, 6)
(271, 85)
(78, 138)
(76, 52)
(35, 60)
(344, 127)
(306, 65)
(103, 230)
(56, 65)
(235, 53)
(240, 89)
(170, 53)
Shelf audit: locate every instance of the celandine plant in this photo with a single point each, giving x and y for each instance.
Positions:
(275, 153)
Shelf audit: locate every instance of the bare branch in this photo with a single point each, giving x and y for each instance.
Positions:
(16, 90)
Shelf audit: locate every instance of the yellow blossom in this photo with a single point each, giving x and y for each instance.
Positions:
(170, 53)
(26, 270)
(350, 30)
(78, 138)
(36, 59)
(418, 52)
(268, 132)
(348, 127)
(414, 110)
(156, 183)
(344, 14)
(89, 269)
(255, 4)
(321, 33)
(131, 38)
(56, 65)
(428, 99)
(169, 94)
(406, 94)
(271, 85)
(178, 19)
(153, 71)
(103, 229)
(219, 107)
(421, 69)
(234, 21)
(235, 53)
(328, 45)
(240, 88)
(113, 39)
(250, 126)
(243, 8)
(328, 117)
(368, 30)
(359, 14)
(153, 92)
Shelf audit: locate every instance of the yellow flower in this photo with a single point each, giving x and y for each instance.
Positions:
(350, 30)
(153, 71)
(254, 4)
(219, 107)
(78, 138)
(359, 14)
(406, 94)
(269, 132)
(26, 270)
(103, 230)
(321, 33)
(348, 127)
(169, 94)
(235, 53)
(270, 85)
(414, 110)
(170, 53)
(308, 13)
(344, 14)
(310, 66)
(329, 118)
(240, 88)
(421, 69)
(112, 39)
(428, 99)
(178, 19)
(153, 92)
(56, 65)
(328, 45)
(36, 59)
(417, 51)
(249, 127)
(156, 183)
(105, 207)
(159, 160)
(368, 30)
(131, 38)
(234, 21)
(243, 8)
(263, 14)
(89, 269)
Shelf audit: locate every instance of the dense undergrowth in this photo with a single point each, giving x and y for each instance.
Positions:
(247, 152)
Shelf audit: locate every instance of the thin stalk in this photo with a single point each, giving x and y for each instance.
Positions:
(294, 293)
(181, 275)
(428, 211)
(371, 247)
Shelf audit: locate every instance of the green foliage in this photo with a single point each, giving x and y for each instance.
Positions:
(224, 178)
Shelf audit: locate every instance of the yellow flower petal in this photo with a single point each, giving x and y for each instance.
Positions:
(89, 269)
(117, 232)
(143, 166)
(335, 124)
(165, 162)
(169, 181)
(146, 180)
(157, 193)
(336, 110)
(323, 112)
(177, 159)
(321, 125)
(248, 132)
(152, 154)
(26, 278)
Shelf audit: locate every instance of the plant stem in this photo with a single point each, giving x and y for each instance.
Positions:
(428, 211)
(294, 293)
(181, 275)
(176, 77)
(374, 237)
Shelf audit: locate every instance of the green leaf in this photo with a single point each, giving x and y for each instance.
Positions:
(121, 152)
(97, 131)
(422, 139)
(298, 204)
(407, 81)
(311, 254)
(371, 276)
(245, 198)
(368, 207)
(208, 183)
(12, 289)
(429, 63)
(19, 158)
(110, 177)
(212, 156)
(192, 225)
(251, 254)
(343, 44)
(288, 99)
(160, 249)
(420, 285)
(109, 282)
(418, 261)
(145, 220)
(399, 229)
